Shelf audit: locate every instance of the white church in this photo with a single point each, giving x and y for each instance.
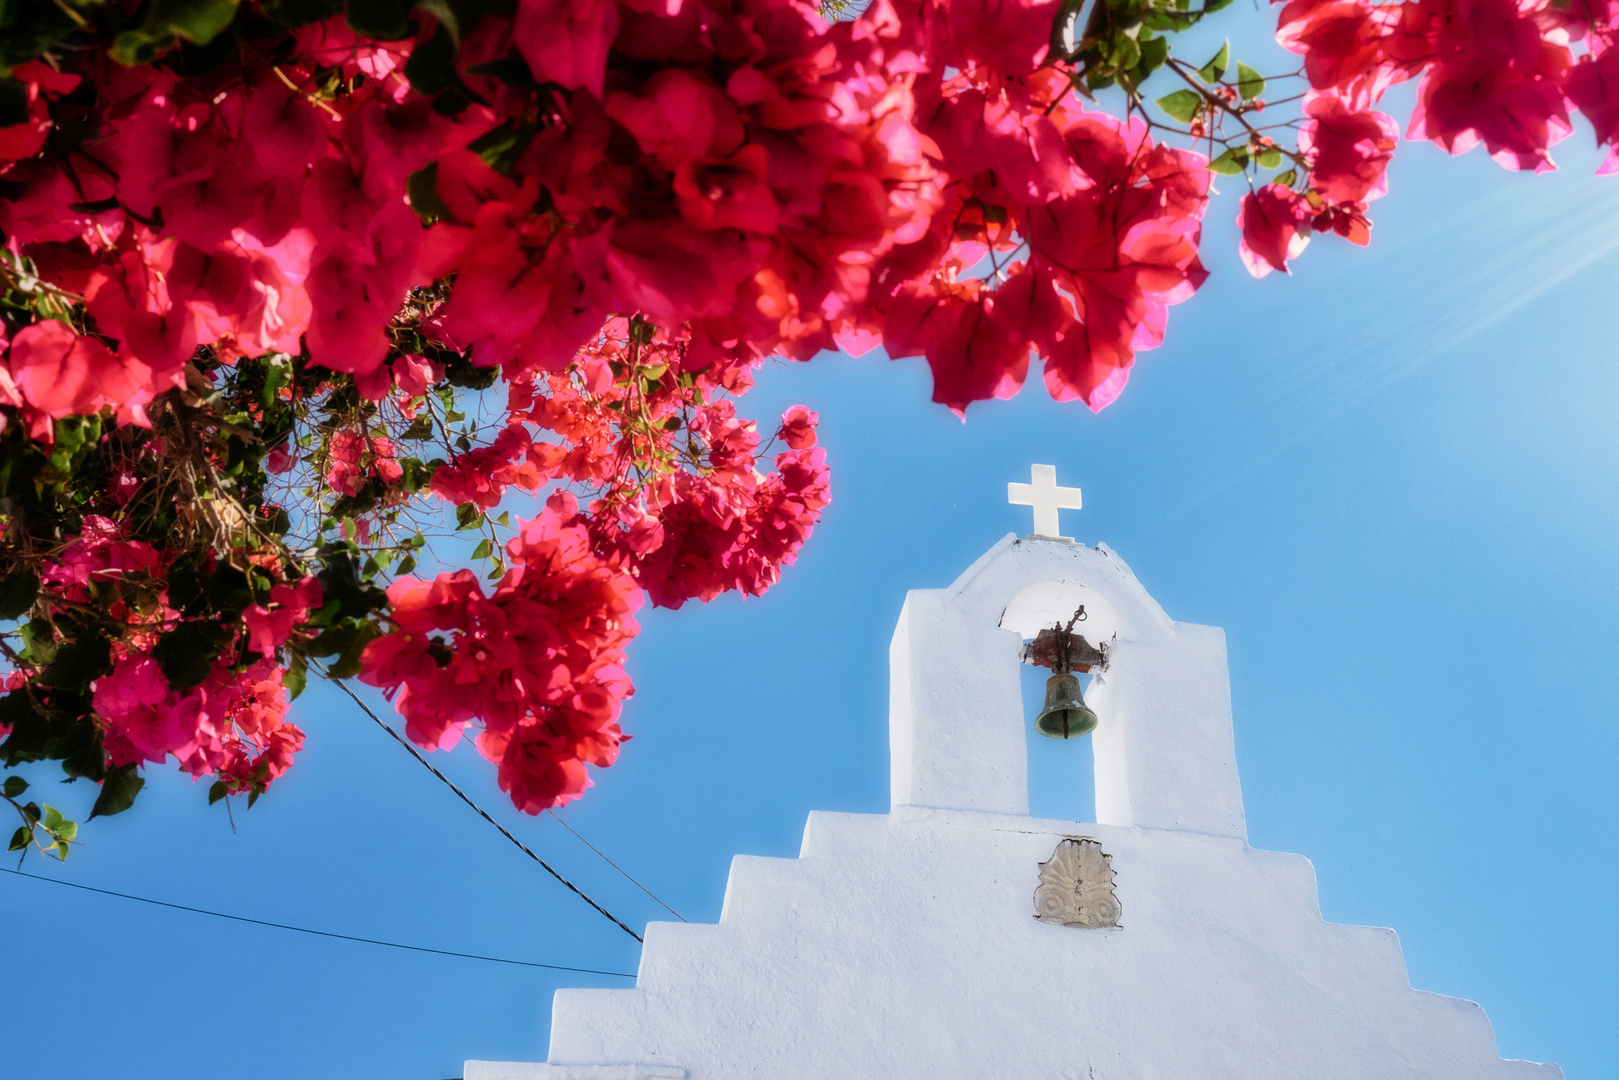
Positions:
(958, 938)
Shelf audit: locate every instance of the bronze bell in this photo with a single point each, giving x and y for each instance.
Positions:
(1066, 716)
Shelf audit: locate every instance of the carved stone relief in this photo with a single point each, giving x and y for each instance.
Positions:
(1076, 887)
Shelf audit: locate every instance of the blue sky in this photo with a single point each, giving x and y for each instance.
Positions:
(1392, 477)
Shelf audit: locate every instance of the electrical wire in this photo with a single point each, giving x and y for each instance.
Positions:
(428, 765)
(319, 933)
(617, 867)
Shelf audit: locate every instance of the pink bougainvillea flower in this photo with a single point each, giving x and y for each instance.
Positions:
(1491, 75)
(537, 662)
(281, 458)
(1275, 223)
(62, 373)
(43, 83)
(566, 41)
(1348, 150)
(1593, 87)
(268, 626)
(1343, 45)
(1517, 116)
(798, 427)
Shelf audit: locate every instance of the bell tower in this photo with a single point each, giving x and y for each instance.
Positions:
(1165, 756)
(956, 937)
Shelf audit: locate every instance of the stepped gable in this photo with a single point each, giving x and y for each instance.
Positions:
(957, 938)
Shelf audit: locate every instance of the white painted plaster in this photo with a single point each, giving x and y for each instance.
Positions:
(1047, 603)
(522, 1070)
(903, 946)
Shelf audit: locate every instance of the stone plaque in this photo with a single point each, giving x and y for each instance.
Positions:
(1076, 887)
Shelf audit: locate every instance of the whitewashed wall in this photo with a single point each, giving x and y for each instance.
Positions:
(904, 946)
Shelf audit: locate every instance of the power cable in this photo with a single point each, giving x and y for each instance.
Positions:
(428, 765)
(615, 866)
(306, 930)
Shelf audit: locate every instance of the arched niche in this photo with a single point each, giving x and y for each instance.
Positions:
(1164, 753)
(1060, 773)
(1051, 603)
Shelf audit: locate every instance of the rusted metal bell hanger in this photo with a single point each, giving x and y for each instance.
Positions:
(1065, 715)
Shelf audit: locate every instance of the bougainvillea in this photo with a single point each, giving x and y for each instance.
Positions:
(297, 292)
(1506, 74)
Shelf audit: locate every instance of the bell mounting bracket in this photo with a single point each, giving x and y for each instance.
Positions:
(1062, 650)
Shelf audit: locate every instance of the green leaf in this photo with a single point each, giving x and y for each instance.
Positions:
(229, 591)
(77, 663)
(253, 797)
(445, 16)
(133, 48)
(1169, 20)
(13, 102)
(467, 515)
(1270, 157)
(511, 69)
(259, 582)
(67, 830)
(187, 589)
(216, 792)
(346, 643)
(1182, 105)
(118, 791)
(187, 653)
(406, 565)
(348, 665)
(1211, 6)
(482, 550)
(343, 588)
(277, 373)
(53, 818)
(196, 21)
(415, 473)
(431, 67)
(84, 755)
(296, 677)
(422, 426)
(1286, 179)
(1125, 53)
(18, 591)
(61, 850)
(1231, 163)
(300, 12)
(20, 840)
(1215, 69)
(1154, 51)
(62, 730)
(39, 643)
(1250, 83)
(385, 20)
(15, 785)
(500, 146)
(74, 435)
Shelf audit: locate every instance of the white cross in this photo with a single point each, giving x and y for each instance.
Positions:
(1046, 497)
